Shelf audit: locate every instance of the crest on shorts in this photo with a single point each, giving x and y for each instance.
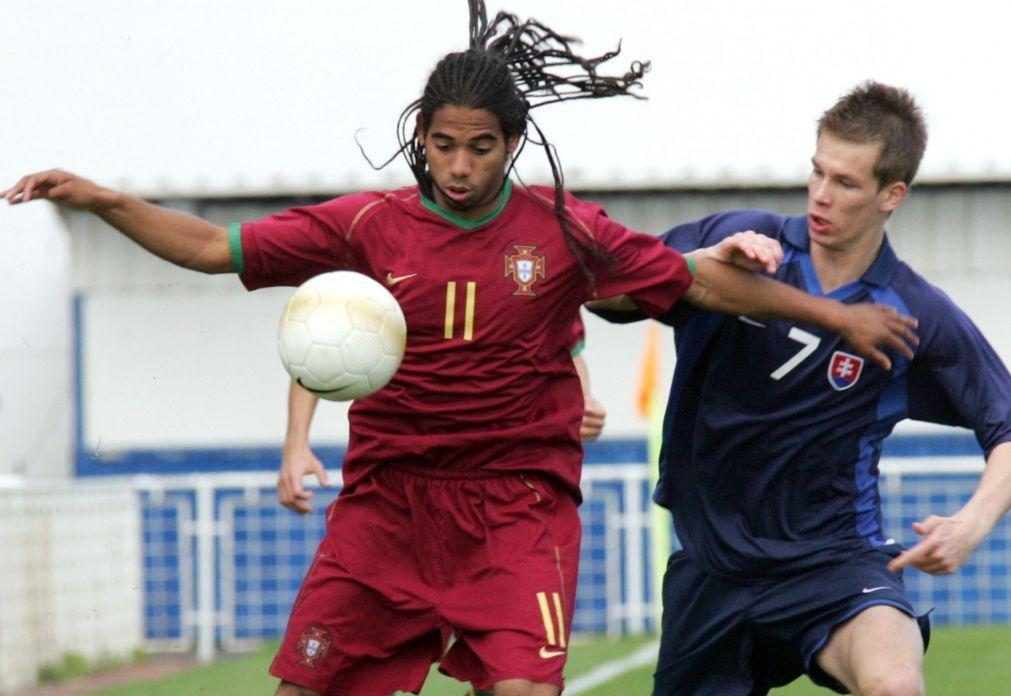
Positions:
(844, 369)
(525, 268)
(314, 645)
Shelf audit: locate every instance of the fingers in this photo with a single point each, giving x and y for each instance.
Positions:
(765, 252)
(938, 553)
(879, 357)
(37, 185)
(594, 417)
(15, 194)
(292, 495)
(925, 556)
(321, 475)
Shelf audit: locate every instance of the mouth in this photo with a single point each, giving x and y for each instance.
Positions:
(457, 193)
(818, 224)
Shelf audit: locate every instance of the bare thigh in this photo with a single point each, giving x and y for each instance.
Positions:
(879, 646)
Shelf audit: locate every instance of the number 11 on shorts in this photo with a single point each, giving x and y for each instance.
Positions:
(555, 638)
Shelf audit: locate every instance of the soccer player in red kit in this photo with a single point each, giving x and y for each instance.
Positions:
(462, 474)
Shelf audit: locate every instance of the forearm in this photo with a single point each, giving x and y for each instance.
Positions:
(173, 235)
(723, 287)
(301, 407)
(992, 498)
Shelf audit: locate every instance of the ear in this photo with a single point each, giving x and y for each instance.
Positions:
(511, 144)
(892, 195)
(419, 126)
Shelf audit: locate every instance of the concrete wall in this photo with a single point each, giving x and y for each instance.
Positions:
(36, 357)
(176, 359)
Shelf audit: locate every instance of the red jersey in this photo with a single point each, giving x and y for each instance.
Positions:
(487, 380)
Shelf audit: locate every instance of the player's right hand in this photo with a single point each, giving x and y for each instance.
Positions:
(594, 416)
(297, 462)
(60, 187)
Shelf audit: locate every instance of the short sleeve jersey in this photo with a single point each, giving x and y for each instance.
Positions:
(774, 430)
(487, 381)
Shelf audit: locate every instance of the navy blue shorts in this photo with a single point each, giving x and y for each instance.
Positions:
(726, 639)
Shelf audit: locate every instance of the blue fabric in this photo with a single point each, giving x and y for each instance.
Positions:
(771, 469)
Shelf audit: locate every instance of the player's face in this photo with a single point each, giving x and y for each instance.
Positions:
(467, 156)
(846, 208)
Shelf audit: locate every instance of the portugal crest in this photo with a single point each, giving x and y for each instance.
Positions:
(844, 370)
(314, 645)
(525, 268)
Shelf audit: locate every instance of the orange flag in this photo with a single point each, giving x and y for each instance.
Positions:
(649, 372)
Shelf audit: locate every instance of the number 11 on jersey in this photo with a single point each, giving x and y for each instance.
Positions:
(468, 320)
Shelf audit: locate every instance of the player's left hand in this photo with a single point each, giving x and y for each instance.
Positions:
(871, 329)
(749, 250)
(946, 544)
(594, 415)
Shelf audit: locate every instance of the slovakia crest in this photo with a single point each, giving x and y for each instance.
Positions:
(525, 268)
(844, 369)
(314, 645)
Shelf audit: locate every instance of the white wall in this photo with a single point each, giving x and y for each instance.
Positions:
(36, 398)
(176, 359)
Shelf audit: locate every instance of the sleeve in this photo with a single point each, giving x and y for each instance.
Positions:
(643, 268)
(290, 247)
(710, 231)
(957, 378)
(691, 236)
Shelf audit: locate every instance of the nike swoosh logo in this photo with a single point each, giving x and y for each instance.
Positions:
(868, 590)
(393, 280)
(546, 654)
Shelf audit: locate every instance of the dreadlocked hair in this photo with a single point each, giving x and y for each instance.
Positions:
(510, 68)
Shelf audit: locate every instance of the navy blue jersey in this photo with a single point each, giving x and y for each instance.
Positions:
(773, 430)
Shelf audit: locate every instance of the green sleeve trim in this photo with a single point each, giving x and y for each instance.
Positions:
(690, 262)
(235, 245)
(577, 349)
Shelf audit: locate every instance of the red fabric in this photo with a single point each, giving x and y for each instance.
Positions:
(506, 397)
(408, 556)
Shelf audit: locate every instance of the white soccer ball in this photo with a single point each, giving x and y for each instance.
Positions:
(342, 335)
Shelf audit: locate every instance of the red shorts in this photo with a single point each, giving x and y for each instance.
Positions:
(409, 558)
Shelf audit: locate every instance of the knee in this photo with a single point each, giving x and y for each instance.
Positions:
(522, 687)
(288, 689)
(902, 682)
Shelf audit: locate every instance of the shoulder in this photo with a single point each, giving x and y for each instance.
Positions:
(945, 330)
(933, 308)
(352, 210)
(713, 228)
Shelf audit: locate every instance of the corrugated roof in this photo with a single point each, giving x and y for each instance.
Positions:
(245, 98)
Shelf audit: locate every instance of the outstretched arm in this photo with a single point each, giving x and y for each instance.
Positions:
(297, 459)
(723, 283)
(178, 237)
(948, 541)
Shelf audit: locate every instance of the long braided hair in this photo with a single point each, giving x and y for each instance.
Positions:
(512, 67)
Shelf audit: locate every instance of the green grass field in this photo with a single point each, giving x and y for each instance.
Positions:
(961, 661)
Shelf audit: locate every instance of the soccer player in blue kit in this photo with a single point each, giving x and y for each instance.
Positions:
(773, 432)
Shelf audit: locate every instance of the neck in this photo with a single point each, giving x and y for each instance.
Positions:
(837, 267)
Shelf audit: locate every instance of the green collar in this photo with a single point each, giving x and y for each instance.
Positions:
(463, 222)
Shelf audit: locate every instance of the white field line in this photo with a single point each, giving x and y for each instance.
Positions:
(646, 655)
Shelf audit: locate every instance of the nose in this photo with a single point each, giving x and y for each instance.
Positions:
(818, 191)
(459, 164)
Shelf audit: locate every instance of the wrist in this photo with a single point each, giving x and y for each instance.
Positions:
(106, 200)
